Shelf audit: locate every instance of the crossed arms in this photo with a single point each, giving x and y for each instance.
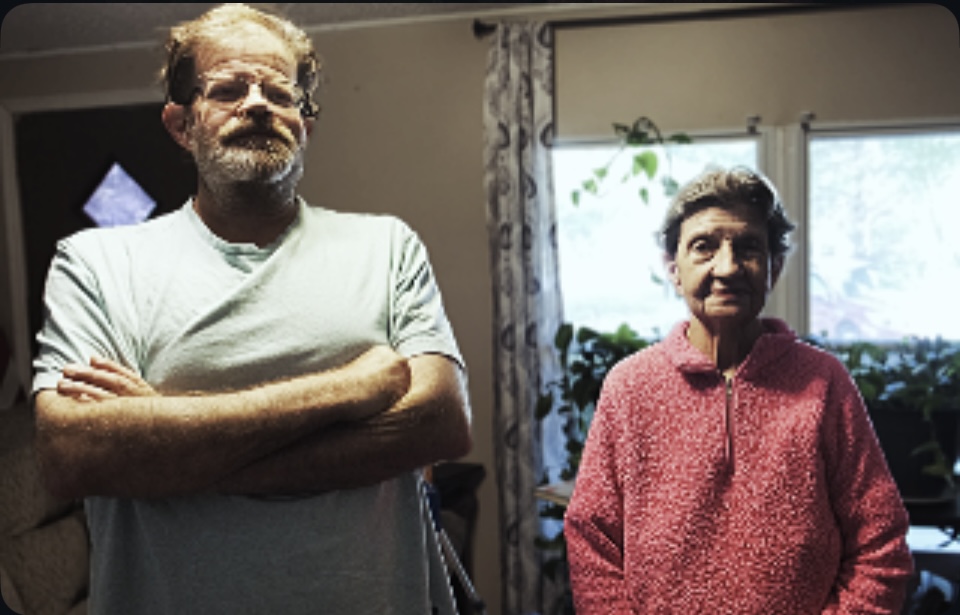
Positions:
(104, 431)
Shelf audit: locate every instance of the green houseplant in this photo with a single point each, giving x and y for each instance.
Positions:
(586, 356)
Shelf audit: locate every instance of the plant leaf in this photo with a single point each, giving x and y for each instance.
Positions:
(936, 469)
(585, 334)
(670, 186)
(637, 137)
(544, 405)
(563, 337)
(931, 446)
(868, 390)
(646, 162)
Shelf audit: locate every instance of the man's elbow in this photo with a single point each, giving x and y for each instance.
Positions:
(460, 440)
(454, 429)
(60, 472)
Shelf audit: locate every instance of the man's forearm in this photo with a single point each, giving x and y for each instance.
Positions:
(154, 446)
(431, 423)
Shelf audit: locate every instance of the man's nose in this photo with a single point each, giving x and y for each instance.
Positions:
(254, 102)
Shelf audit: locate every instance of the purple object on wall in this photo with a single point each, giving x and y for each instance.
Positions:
(119, 200)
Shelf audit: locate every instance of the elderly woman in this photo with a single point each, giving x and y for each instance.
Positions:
(732, 468)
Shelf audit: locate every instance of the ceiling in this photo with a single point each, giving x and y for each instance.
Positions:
(43, 28)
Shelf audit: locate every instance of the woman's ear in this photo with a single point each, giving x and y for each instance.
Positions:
(776, 268)
(670, 266)
(175, 118)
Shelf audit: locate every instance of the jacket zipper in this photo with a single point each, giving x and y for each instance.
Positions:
(728, 434)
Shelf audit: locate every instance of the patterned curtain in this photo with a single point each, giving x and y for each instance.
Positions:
(521, 222)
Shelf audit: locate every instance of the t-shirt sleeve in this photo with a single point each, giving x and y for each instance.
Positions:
(76, 324)
(418, 321)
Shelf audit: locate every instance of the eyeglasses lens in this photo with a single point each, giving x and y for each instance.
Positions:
(232, 89)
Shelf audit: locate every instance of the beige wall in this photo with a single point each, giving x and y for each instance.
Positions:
(854, 64)
(401, 132)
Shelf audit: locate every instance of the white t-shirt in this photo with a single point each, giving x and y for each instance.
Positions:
(191, 312)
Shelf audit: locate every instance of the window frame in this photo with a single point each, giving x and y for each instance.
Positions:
(790, 299)
(783, 156)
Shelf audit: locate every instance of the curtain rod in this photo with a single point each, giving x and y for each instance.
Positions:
(483, 29)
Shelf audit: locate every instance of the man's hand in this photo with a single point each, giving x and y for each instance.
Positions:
(102, 379)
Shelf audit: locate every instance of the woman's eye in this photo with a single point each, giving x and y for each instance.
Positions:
(751, 248)
(700, 247)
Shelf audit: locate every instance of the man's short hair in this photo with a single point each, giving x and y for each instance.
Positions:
(179, 73)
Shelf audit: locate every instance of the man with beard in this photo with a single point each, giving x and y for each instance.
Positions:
(244, 390)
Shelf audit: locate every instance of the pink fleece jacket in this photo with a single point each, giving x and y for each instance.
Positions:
(764, 495)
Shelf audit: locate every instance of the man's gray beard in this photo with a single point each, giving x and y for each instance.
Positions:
(269, 165)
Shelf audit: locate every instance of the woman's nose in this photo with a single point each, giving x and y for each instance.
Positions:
(725, 261)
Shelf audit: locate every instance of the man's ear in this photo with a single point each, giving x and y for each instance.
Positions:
(175, 120)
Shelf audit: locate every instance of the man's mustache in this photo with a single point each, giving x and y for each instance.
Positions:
(254, 129)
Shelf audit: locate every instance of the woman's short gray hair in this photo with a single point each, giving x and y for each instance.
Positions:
(725, 188)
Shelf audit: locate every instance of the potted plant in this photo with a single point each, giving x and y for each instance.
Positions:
(586, 356)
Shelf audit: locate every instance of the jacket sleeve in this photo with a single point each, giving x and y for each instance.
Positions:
(594, 524)
(876, 563)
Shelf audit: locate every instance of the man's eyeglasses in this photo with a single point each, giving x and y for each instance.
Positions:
(230, 90)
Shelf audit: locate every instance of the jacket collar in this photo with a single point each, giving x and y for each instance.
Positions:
(777, 338)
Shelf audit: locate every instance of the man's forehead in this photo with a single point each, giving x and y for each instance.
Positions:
(249, 45)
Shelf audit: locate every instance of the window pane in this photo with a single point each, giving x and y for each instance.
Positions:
(611, 269)
(883, 262)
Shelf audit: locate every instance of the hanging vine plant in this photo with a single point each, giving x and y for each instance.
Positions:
(636, 140)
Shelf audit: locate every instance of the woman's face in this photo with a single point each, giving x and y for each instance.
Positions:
(723, 269)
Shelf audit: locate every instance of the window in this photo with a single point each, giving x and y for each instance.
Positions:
(877, 215)
(611, 268)
(883, 210)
